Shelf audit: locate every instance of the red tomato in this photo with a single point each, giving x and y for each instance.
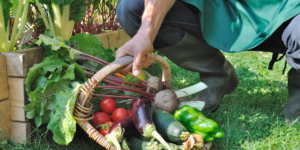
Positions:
(119, 113)
(104, 129)
(108, 105)
(100, 118)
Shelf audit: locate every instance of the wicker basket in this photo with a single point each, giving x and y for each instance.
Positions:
(84, 106)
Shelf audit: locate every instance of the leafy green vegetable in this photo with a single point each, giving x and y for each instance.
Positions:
(5, 6)
(78, 10)
(70, 72)
(50, 64)
(79, 71)
(73, 97)
(42, 97)
(5, 12)
(54, 84)
(62, 15)
(132, 79)
(61, 122)
(40, 81)
(56, 43)
(46, 79)
(89, 44)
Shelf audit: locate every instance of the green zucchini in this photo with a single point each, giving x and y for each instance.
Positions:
(169, 127)
(139, 142)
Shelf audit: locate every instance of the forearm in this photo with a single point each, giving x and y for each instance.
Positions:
(154, 13)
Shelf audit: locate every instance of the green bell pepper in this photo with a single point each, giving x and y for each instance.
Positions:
(195, 122)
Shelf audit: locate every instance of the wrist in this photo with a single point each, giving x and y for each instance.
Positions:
(146, 34)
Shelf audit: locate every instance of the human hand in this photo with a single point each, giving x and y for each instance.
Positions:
(141, 48)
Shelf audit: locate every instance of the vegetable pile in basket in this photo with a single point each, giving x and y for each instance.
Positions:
(54, 84)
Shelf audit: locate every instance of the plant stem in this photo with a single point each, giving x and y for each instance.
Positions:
(124, 101)
(80, 27)
(92, 65)
(127, 88)
(36, 33)
(3, 32)
(57, 19)
(135, 84)
(71, 25)
(23, 22)
(67, 25)
(116, 143)
(51, 25)
(112, 96)
(105, 80)
(156, 135)
(90, 59)
(39, 5)
(85, 58)
(15, 27)
(88, 69)
(95, 58)
(89, 74)
(88, 17)
(65, 22)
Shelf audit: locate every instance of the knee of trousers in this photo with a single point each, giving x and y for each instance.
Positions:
(129, 13)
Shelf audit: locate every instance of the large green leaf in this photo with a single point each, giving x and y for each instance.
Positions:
(61, 123)
(56, 43)
(6, 5)
(79, 71)
(54, 127)
(55, 71)
(58, 47)
(88, 44)
(70, 72)
(49, 64)
(40, 81)
(42, 97)
(78, 10)
(73, 97)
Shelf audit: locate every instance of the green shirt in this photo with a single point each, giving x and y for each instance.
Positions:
(239, 25)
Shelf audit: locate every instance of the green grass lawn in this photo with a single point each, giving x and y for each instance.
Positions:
(251, 117)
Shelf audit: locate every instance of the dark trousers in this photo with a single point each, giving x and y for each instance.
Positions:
(182, 18)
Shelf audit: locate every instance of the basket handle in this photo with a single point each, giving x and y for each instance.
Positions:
(84, 107)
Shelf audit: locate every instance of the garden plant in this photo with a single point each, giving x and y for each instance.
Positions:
(128, 111)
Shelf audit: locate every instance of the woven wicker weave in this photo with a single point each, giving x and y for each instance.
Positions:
(84, 106)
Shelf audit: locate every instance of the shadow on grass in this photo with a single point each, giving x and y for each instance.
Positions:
(81, 141)
(251, 112)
